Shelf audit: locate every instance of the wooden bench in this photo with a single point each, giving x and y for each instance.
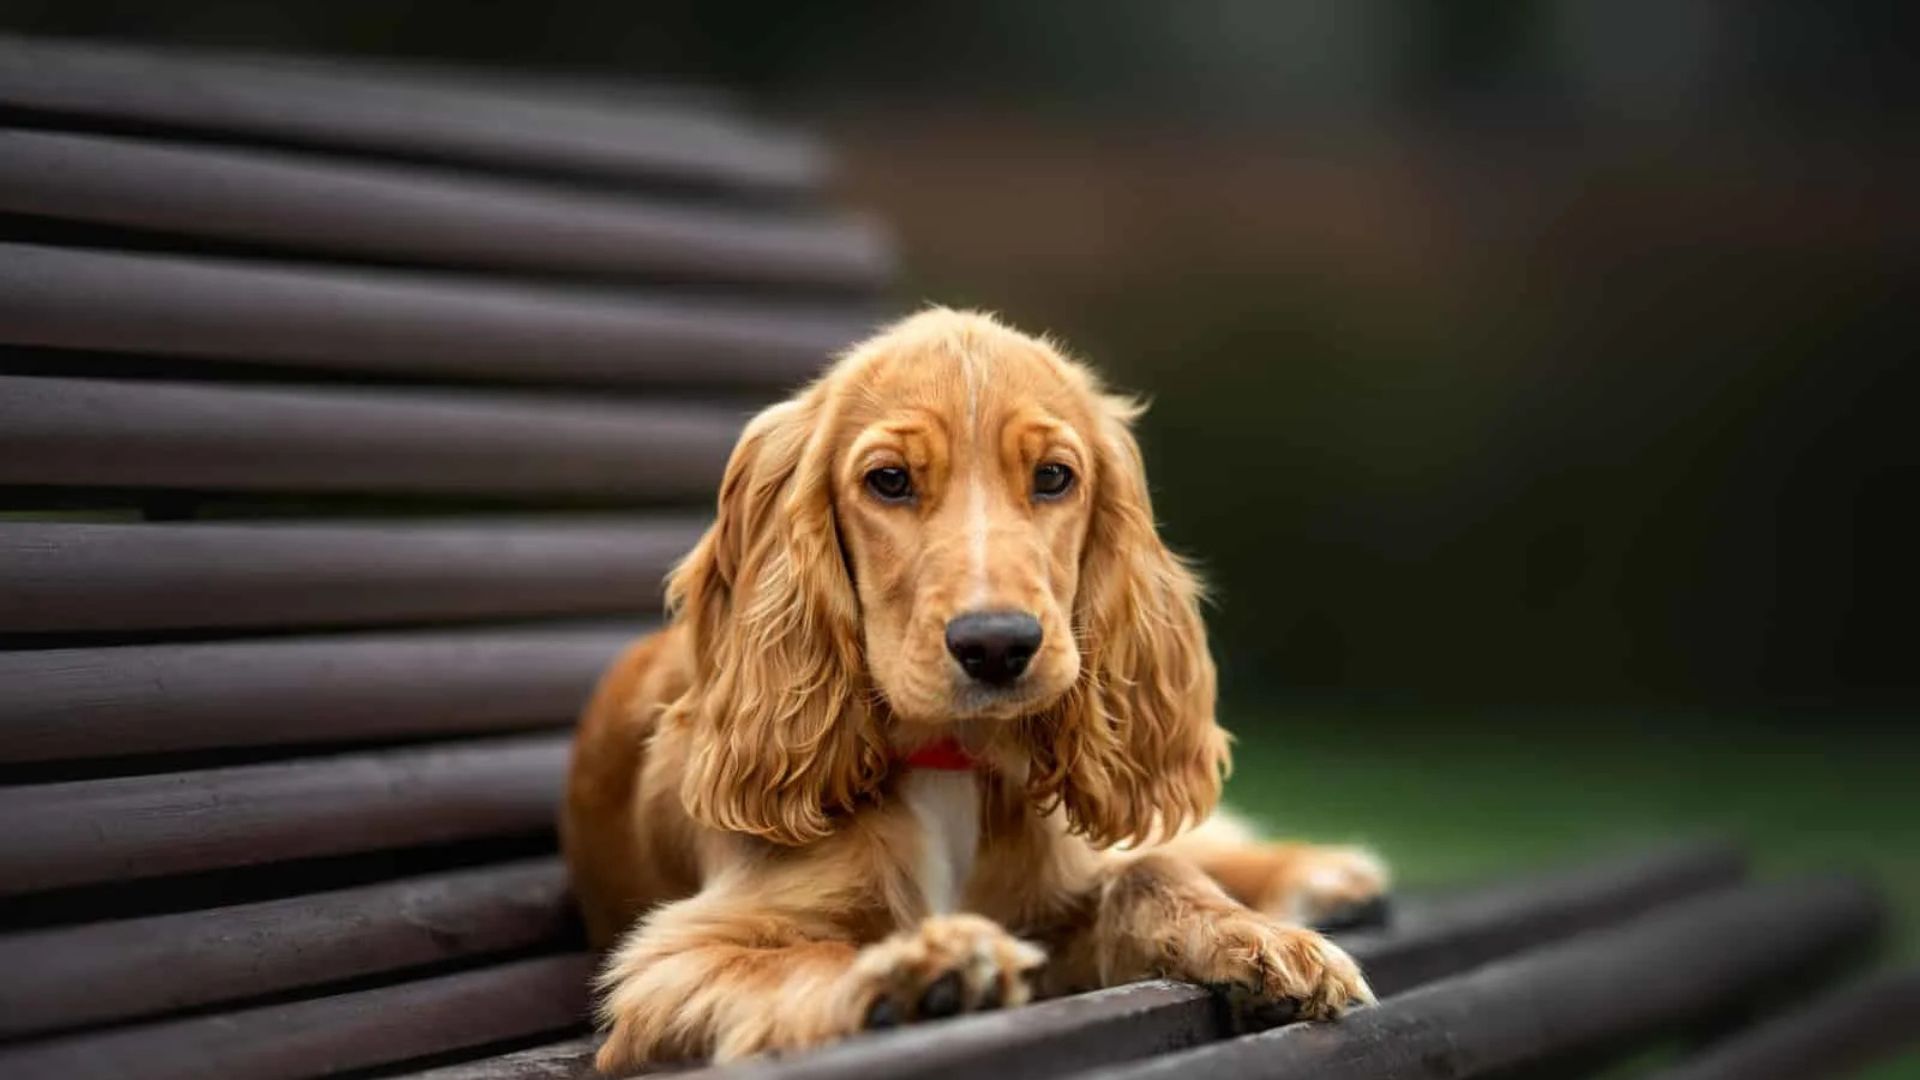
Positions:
(348, 420)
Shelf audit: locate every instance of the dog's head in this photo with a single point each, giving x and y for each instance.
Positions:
(948, 533)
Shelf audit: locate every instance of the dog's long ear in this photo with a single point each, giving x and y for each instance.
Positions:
(782, 736)
(1133, 750)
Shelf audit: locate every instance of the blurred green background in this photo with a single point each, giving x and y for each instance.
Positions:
(1535, 381)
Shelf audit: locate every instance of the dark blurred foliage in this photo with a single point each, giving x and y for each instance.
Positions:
(1501, 351)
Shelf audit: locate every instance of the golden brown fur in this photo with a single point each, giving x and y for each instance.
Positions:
(736, 809)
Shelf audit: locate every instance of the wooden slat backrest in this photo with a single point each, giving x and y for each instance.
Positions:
(72, 577)
(635, 137)
(110, 432)
(316, 689)
(407, 322)
(321, 1036)
(132, 968)
(366, 210)
(349, 419)
(124, 828)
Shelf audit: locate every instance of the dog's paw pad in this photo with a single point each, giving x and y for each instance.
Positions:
(946, 966)
(1265, 973)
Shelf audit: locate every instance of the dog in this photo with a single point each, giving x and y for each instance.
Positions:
(930, 730)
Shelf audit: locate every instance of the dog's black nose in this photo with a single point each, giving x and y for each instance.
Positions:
(993, 647)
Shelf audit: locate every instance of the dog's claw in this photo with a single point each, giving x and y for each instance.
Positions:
(1246, 1012)
(942, 998)
(880, 1015)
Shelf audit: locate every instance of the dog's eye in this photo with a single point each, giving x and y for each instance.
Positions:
(890, 484)
(1051, 481)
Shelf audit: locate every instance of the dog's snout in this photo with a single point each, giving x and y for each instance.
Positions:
(993, 647)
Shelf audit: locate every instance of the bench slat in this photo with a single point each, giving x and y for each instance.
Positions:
(1473, 927)
(1125, 1023)
(412, 115)
(1117, 1024)
(117, 433)
(322, 1036)
(405, 322)
(1835, 1036)
(64, 577)
(139, 967)
(568, 1059)
(81, 832)
(1598, 992)
(413, 215)
(143, 699)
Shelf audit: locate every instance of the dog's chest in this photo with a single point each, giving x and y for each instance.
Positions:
(946, 803)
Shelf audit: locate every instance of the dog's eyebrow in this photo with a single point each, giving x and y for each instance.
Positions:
(898, 426)
(890, 433)
(1055, 430)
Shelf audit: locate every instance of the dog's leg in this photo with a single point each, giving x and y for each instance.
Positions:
(1159, 916)
(748, 966)
(1317, 884)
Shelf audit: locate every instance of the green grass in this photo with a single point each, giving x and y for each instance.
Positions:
(1453, 797)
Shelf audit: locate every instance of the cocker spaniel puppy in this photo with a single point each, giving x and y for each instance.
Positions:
(928, 732)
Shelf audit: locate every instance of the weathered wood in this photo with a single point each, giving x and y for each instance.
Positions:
(64, 577)
(114, 433)
(1150, 1018)
(1455, 933)
(131, 968)
(1597, 992)
(413, 116)
(414, 215)
(322, 1036)
(405, 322)
(1834, 1037)
(1118, 1024)
(144, 699)
(79, 832)
(570, 1059)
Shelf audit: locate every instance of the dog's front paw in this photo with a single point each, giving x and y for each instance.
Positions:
(947, 965)
(1325, 886)
(1269, 973)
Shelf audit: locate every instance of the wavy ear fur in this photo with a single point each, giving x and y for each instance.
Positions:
(1132, 752)
(781, 733)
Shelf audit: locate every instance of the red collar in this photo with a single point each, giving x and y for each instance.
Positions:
(945, 754)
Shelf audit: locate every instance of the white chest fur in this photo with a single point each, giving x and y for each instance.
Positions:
(946, 803)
